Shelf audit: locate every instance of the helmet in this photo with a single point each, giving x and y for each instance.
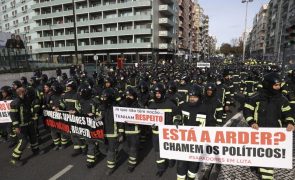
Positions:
(56, 88)
(24, 80)
(64, 76)
(7, 89)
(34, 80)
(195, 90)
(131, 92)
(44, 78)
(159, 88)
(143, 87)
(108, 96)
(269, 80)
(172, 87)
(52, 80)
(211, 86)
(71, 83)
(17, 83)
(85, 92)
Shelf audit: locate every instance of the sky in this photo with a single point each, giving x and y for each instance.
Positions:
(227, 17)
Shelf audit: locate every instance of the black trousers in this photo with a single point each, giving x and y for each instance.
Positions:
(161, 163)
(131, 145)
(27, 134)
(187, 168)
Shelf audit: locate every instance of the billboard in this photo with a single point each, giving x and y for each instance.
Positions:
(9, 40)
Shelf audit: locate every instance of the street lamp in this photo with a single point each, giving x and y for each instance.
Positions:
(244, 38)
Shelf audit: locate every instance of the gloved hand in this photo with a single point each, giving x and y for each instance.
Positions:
(177, 123)
(120, 137)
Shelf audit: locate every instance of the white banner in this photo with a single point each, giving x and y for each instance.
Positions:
(203, 65)
(4, 111)
(267, 147)
(139, 116)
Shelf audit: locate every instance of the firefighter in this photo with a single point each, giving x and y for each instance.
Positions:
(223, 94)
(172, 93)
(289, 89)
(131, 131)
(183, 89)
(171, 113)
(193, 114)
(269, 108)
(70, 103)
(60, 140)
(89, 109)
(213, 105)
(8, 131)
(108, 100)
(21, 117)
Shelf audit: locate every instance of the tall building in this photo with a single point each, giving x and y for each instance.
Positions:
(280, 15)
(16, 17)
(257, 35)
(138, 30)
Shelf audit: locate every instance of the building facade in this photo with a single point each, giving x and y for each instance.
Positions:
(16, 17)
(257, 37)
(138, 30)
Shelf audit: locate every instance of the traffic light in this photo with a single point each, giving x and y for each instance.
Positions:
(290, 35)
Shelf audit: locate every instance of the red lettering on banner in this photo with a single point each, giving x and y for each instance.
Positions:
(165, 133)
(219, 137)
(98, 134)
(266, 138)
(254, 138)
(231, 137)
(205, 137)
(174, 135)
(2, 107)
(151, 118)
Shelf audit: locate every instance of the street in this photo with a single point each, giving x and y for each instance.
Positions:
(60, 165)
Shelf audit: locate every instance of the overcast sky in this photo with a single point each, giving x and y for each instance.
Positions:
(227, 17)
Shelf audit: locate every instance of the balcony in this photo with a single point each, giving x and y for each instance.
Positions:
(55, 49)
(116, 46)
(131, 4)
(165, 34)
(115, 20)
(165, 46)
(165, 9)
(166, 22)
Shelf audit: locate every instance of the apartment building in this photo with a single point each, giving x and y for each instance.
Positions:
(138, 30)
(16, 17)
(258, 33)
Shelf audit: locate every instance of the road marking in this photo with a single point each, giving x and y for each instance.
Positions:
(62, 172)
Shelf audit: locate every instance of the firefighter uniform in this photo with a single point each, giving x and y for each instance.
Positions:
(70, 102)
(131, 131)
(171, 113)
(21, 116)
(111, 130)
(269, 108)
(89, 109)
(193, 114)
(60, 140)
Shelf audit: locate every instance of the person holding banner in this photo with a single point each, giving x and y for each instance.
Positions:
(89, 109)
(52, 102)
(269, 108)
(70, 103)
(194, 113)
(108, 100)
(131, 131)
(6, 93)
(21, 117)
(171, 113)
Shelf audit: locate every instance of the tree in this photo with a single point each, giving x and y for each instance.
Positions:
(225, 49)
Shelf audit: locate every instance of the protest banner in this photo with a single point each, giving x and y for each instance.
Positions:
(139, 116)
(4, 112)
(203, 65)
(267, 147)
(87, 127)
